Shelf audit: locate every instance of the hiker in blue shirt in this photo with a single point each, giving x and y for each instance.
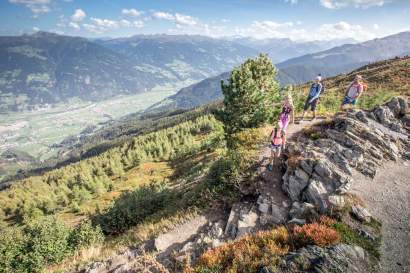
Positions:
(313, 97)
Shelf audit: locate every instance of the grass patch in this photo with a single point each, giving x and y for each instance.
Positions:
(352, 237)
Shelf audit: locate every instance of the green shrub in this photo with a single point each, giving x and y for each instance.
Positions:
(133, 207)
(42, 242)
(46, 242)
(11, 247)
(86, 235)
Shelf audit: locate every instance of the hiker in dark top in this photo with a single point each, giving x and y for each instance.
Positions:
(313, 97)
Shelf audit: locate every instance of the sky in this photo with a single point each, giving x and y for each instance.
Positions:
(295, 19)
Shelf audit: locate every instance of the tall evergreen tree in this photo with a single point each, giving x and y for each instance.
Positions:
(249, 95)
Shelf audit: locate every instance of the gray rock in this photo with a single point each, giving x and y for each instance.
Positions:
(301, 210)
(394, 106)
(340, 258)
(336, 201)
(307, 166)
(360, 115)
(323, 169)
(297, 221)
(293, 187)
(383, 114)
(316, 194)
(361, 213)
(264, 208)
(278, 215)
(247, 223)
(403, 105)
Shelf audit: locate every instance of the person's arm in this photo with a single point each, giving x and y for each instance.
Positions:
(348, 88)
(292, 115)
(317, 93)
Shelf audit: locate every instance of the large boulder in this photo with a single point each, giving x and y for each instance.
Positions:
(340, 258)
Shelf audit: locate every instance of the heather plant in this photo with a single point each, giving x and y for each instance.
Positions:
(315, 233)
(247, 254)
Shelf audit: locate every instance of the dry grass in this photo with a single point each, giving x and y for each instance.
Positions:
(114, 245)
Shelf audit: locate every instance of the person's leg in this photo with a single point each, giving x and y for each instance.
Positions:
(272, 156)
(344, 102)
(354, 102)
(305, 108)
(277, 155)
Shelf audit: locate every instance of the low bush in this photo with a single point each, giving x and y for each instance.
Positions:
(315, 233)
(131, 208)
(248, 254)
(86, 235)
(42, 242)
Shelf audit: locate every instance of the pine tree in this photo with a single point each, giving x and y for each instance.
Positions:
(249, 95)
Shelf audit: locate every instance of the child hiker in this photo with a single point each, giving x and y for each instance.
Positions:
(278, 141)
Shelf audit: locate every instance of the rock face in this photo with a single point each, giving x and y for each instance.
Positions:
(358, 140)
(340, 258)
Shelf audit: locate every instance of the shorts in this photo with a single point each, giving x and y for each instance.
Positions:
(312, 104)
(349, 100)
(275, 148)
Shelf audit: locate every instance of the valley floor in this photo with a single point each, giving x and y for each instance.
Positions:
(387, 197)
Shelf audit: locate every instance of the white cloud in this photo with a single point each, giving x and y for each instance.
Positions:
(131, 12)
(99, 25)
(376, 27)
(36, 6)
(177, 18)
(36, 29)
(265, 29)
(106, 23)
(78, 15)
(74, 25)
(185, 20)
(337, 4)
(291, 1)
(125, 23)
(92, 28)
(138, 24)
(272, 29)
(163, 15)
(343, 30)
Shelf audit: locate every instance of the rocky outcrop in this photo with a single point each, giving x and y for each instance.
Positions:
(340, 258)
(358, 140)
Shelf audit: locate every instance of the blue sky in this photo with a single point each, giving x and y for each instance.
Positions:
(296, 19)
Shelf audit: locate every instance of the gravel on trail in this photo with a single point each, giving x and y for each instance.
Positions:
(387, 197)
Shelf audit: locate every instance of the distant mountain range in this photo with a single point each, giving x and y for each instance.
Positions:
(49, 68)
(180, 57)
(281, 49)
(46, 68)
(330, 62)
(344, 58)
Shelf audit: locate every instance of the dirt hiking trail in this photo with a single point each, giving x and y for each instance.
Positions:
(387, 197)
